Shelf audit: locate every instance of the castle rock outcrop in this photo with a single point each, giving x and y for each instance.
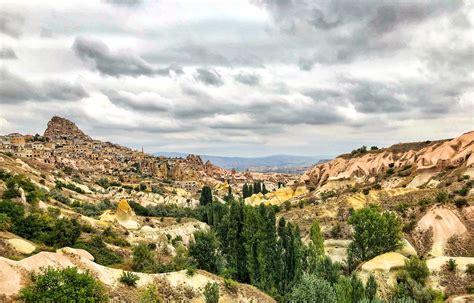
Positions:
(63, 129)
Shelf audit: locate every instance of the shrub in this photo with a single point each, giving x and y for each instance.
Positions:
(149, 294)
(417, 269)
(461, 202)
(470, 269)
(211, 293)
(312, 289)
(42, 228)
(328, 270)
(336, 231)
(12, 209)
(103, 182)
(5, 222)
(190, 271)
(451, 265)
(205, 251)
(327, 194)
(63, 285)
(301, 204)
(366, 191)
(231, 285)
(463, 191)
(70, 186)
(97, 248)
(390, 171)
(441, 196)
(129, 278)
(143, 259)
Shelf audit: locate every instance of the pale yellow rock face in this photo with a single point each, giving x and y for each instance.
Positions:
(22, 246)
(276, 197)
(385, 262)
(124, 216)
(436, 264)
(336, 249)
(407, 249)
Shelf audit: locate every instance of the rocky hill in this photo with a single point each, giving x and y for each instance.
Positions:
(409, 159)
(63, 129)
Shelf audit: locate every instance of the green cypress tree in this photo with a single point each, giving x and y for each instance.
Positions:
(245, 191)
(229, 196)
(206, 196)
(358, 291)
(371, 288)
(316, 246)
(255, 188)
(264, 190)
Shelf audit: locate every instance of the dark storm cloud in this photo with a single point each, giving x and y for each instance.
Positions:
(11, 24)
(102, 59)
(7, 53)
(247, 78)
(208, 76)
(14, 89)
(373, 97)
(343, 31)
(147, 102)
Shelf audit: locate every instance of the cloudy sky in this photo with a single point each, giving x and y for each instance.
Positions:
(245, 78)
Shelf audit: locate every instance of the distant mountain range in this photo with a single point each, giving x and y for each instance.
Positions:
(274, 163)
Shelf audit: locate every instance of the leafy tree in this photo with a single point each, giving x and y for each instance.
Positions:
(63, 285)
(375, 233)
(205, 251)
(312, 289)
(206, 196)
(12, 209)
(211, 293)
(45, 229)
(5, 222)
(63, 233)
(316, 245)
(143, 259)
(328, 270)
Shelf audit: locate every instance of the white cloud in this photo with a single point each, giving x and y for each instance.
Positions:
(234, 77)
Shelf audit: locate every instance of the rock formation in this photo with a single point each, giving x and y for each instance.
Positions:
(60, 128)
(422, 157)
